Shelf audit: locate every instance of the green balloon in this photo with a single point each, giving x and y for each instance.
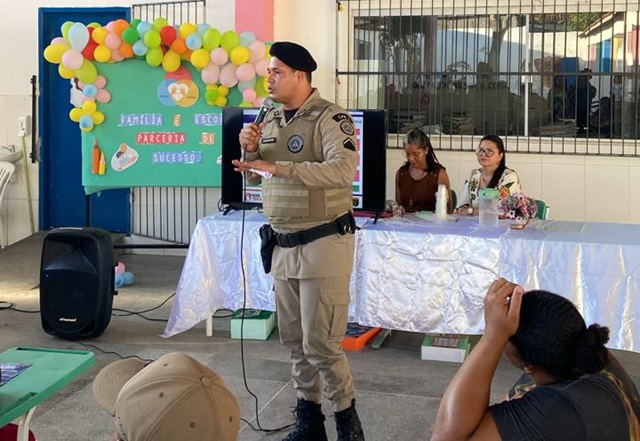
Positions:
(130, 35)
(229, 40)
(159, 23)
(211, 39)
(260, 90)
(211, 95)
(65, 29)
(135, 22)
(152, 39)
(87, 72)
(235, 97)
(154, 57)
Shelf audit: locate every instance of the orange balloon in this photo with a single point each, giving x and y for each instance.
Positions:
(120, 25)
(126, 50)
(179, 46)
(186, 55)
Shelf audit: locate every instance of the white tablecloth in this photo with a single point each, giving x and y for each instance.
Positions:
(424, 276)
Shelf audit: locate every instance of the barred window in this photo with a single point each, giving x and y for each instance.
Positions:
(556, 77)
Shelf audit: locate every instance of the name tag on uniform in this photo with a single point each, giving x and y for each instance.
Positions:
(270, 140)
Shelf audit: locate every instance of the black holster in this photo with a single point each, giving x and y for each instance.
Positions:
(267, 244)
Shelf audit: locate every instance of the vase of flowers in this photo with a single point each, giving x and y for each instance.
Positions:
(518, 207)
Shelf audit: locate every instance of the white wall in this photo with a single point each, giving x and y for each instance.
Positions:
(577, 187)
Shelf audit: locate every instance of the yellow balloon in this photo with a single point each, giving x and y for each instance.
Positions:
(98, 117)
(221, 101)
(75, 114)
(223, 90)
(212, 87)
(102, 54)
(239, 55)
(99, 34)
(187, 29)
(89, 107)
(200, 58)
(66, 73)
(171, 61)
(53, 52)
(265, 83)
(87, 72)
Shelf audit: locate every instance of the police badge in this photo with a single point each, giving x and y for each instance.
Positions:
(295, 143)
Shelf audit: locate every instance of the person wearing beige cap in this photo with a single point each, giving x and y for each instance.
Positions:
(173, 398)
(309, 148)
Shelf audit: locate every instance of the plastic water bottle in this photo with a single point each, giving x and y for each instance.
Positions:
(441, 202)
(488, 205)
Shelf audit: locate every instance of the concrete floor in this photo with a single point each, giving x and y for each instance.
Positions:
(398, 394)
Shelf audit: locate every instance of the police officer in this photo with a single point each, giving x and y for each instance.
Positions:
(308, 145)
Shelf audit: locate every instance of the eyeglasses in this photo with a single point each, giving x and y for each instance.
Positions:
(487, 152)
(409, 155)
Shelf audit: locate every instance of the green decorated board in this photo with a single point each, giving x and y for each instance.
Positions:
(158, 130)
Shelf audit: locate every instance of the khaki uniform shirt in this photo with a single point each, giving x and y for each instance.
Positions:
(316, 157)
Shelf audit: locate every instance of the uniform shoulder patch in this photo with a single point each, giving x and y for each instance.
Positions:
(349, 145)
(347, 127)
(341, 117)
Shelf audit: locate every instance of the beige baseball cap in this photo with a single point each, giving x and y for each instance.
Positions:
(172, 398)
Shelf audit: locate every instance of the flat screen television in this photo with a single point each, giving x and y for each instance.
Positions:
(369, 184)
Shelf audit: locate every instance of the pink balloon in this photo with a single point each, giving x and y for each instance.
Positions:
(228, 76)
(258, 101)
(103, 96)
(100, 82)
(246, 72)
(262, 67)
(112, 41)
(257, 50)
(59, 40)
(210, 73)
(116, 55)
(120, 268)
(111, 26)
(72, 59)
(219, 56)
(249, 95)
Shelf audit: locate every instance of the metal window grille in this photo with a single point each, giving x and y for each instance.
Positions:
(549, 76)
(170, 213)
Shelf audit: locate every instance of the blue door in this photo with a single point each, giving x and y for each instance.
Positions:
(62, 199)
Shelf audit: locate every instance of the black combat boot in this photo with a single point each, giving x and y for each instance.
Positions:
(348, 424)
(309, 423)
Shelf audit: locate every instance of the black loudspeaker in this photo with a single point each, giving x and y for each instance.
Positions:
(76, 282)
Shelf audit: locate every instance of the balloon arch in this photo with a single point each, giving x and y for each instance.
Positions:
(226, 61)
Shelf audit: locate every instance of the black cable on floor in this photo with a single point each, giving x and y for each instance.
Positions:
(89, 345)
(244, 305)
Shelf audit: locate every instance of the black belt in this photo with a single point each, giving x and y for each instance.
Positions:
(345, 224)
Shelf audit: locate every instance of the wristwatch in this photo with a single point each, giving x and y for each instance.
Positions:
(470, 209)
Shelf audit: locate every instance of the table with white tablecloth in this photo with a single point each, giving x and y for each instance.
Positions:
(422, 275)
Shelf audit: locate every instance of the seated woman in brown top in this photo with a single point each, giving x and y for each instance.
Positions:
(417, 179)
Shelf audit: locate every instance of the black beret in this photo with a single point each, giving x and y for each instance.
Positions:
(293, 55)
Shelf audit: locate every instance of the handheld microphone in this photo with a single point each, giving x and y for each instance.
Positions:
(267, 104)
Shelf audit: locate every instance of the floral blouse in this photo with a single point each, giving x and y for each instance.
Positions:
(508, 184)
